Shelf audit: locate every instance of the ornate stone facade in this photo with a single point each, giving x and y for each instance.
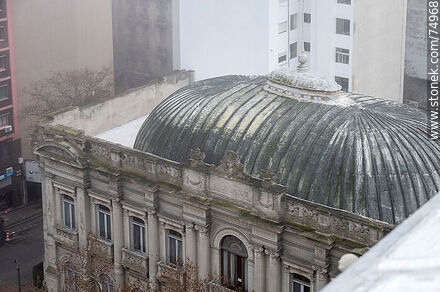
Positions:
(201, 203)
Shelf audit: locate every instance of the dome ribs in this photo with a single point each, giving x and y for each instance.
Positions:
(300, 151)
(363, 154)
(313, 152)
(266, 151)
(210, 121)
(222, 132)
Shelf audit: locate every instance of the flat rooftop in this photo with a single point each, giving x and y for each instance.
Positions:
(125, 134)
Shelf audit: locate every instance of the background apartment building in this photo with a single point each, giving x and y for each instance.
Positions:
(358, 42)
(10, 167)
(131, 38)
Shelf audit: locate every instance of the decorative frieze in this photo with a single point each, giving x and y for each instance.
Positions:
(135, 261)
(66, 237)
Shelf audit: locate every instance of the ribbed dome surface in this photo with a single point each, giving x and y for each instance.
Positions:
(372, 157)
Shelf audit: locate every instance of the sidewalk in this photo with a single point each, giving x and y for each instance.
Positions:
(17, 215)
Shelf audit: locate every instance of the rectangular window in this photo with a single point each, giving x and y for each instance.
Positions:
(342, 55)
(104, 222)
(2, 33)
(4, 92)
(293, 21)
(138, 234)
(293, 50)
(306, 46)
(282, 58)
(307, 18)
(4, 120)
(348, 2)
(3, 63)
(299, 283)
(175, 255)
(343, 26)
(282, 27)
(343, 82)
(69, 212)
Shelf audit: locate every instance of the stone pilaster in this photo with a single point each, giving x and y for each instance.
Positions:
(274, 271)
(153, 246)
(285, 278)
(321, 278)
(82, 214)
(204, 255)
(118, 240)
(260, 269)
(191, 243)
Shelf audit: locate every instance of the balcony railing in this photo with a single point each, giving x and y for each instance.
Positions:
(66, 237)
(100, 247)
(135, 261)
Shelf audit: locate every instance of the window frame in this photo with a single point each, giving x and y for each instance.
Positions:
(141, 226)
(300, 282)
(341, 22)
(309, 46)
(282, 27)
(106, 283)
(4, 60)
(70, 202)
(107, 222)
(70, 279)
(4, 120)
(6, 87)
(293, 21)
(309, 19)
(345, 79)
(177, 238)
(342, 55)
(295, 45)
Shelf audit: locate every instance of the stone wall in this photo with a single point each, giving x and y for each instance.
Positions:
(98, 118)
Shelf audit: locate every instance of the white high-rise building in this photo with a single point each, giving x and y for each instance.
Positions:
(361, 43)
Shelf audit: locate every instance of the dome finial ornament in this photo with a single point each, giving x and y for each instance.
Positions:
(303, 63)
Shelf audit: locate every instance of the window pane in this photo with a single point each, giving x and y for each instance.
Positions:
(109, 228)
(293, 21)
(293, 50)
(233, 280)
(225, 266)
(101, 224)
(72, 211)
(67, 221)
(296, 287)
(136, 237)
(179, 251)
(172, 252)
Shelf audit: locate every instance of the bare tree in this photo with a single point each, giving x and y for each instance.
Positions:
(70, 88)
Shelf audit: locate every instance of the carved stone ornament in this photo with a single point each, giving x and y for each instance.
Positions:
(231, 166)
(197, 155)
(268, 177)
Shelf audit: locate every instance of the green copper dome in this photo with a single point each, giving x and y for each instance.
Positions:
(358, 153)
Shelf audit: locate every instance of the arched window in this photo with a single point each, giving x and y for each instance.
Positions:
(138, 234)
(175, 254)
(104, 226)
(106, 283)
(299, 283)
(70, 279)
(69, 212)
(234, 263)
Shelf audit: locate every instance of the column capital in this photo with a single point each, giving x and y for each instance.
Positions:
(189, 225)
(203, 230)
(274, 255)
(258, 249)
